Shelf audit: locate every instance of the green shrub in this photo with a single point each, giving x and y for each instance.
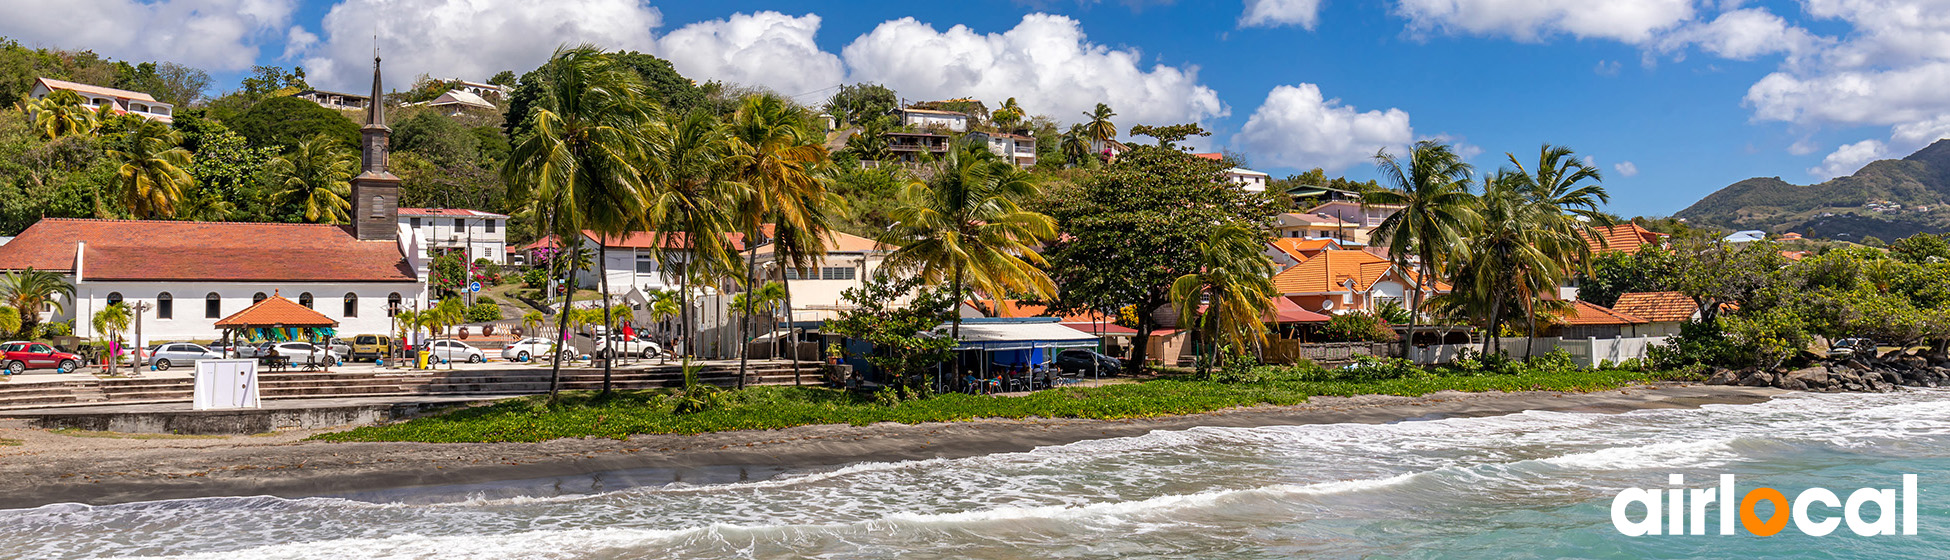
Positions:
(483, 311)
(1357, 327)
(484, 299)
(1557, 361)
(1239, 369)
(535, 278)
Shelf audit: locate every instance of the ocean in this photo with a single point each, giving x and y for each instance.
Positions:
(1531, 485)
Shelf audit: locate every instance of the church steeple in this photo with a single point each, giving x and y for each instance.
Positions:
(375, 192)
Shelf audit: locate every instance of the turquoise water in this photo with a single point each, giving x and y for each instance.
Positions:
(1533, 485)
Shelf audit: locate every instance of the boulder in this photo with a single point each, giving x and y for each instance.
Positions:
(1723, 377)
(1758, 379)
(1810, 376)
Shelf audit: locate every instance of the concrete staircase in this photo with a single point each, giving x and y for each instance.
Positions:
(509, 380)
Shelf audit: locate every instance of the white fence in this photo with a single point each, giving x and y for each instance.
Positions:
(1588, 352)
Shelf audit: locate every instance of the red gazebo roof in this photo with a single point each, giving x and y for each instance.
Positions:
(275, 311)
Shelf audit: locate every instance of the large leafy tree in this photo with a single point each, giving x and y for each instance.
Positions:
(863, 104)
(154, 173)
(777, 155)
(1132, 230)
(1229, 295)
(283, 122)
(967, 227)
(314, 180)
(662, 85)
(1434, 210)
(583, 158)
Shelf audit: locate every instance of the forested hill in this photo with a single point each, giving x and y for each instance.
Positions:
(1886, 199)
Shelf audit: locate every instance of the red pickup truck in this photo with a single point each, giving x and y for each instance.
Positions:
(18, 357)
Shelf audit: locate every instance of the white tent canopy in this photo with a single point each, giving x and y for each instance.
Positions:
(1019, 336)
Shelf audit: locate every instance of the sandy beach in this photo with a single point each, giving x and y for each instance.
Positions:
(48, 467)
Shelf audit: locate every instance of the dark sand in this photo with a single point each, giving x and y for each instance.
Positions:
(51, 468)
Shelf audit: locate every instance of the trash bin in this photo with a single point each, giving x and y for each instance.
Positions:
(424, 355)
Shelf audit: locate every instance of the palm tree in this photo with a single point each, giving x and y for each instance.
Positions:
(1008, 115)
(777, 156)
(60, 114)
(664, 305)
(1098, 128)
(1234, 286)
(1435, 210)
(531, 321)
(112, 320)
(582, 158)
(1565, 190)
(442, 318)
(967, 227)
(27, 290)
(692, 198)
(317, 175)
(763, 301)
(154, 171)
(1076, 146)
(1505, 262)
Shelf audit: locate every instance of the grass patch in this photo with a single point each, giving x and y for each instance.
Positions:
(10, 442)
(623, 414)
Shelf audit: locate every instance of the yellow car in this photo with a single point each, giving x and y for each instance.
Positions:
(369, 347)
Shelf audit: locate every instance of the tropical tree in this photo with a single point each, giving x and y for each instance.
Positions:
(315, 176)
(10, 321)
(60, 114)
(582, 155)
(27, 290)
(1434, 210)
(1008, 115)
(1076, 145)
(664, 305)
(967, 227)
(1229, 296)
(154, 172)
(1098, 127)
(764, 301)
(531, 321)
(1565, 191)
(1505, 263)
(112, 320)
(776, 156)
(443, 317)
(692, 195)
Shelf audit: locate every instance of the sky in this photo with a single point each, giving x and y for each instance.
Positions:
(1671, 99)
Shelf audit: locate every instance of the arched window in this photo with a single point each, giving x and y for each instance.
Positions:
(165, 306)
(305, 300)
(392, 304)
(351, 304)
(257, 298)
(212, 306)
(114, 298)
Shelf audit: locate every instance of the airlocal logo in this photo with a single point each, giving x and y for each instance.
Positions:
(1684, 510)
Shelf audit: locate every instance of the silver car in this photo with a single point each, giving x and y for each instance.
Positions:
(526, 349)
(457, 351)
(306, 354)
(180, 353)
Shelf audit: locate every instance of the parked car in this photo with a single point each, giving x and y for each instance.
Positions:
(18, 357)
(1078, 360)
(456, 351)
(165, 356)
(339, 345)
(301, 353)
(526, 349)
(1851, 347)
(221, 348)
(370, 347)
(630, 346)
(258, 350)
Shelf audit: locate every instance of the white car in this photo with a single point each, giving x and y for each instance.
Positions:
(306, 354)
(526, 349)
(457, 351)
(180, 353)
(600, 346)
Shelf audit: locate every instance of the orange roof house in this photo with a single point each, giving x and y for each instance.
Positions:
(1584, 313)
(1626, 238)
(1658, 307)
(1339, 280)
(1289, 251)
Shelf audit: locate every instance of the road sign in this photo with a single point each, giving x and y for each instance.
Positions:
(474, 286)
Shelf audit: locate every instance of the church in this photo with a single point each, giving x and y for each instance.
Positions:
(183, 276)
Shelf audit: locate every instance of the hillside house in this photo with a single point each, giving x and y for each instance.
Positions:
(1341, 281)
(120, 101)
(1014, 147)
(1291, 225)
(480, 234)
(932, 118)
(335, 100)
(1626, 238)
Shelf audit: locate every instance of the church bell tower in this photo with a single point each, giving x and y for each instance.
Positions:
(375, 192)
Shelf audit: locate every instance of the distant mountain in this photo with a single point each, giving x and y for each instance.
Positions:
(1888, 199)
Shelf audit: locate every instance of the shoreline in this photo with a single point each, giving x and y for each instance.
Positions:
(50, 468)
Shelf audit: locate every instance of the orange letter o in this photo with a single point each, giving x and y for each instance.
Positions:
(1752, 522)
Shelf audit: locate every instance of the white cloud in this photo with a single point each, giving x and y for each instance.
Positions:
(1745, 34)
(1630, 21)
(1275, 13)
(1849, 158)
(1297, 127)
(1045, 62)
(470, 39)
(211, 34)
(1626, 169)
(767, 48)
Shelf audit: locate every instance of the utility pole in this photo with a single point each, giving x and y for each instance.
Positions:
(135, 368)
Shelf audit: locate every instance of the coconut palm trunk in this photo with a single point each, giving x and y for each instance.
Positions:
(609, 342)
(745, 325)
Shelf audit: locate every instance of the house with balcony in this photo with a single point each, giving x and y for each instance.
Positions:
(934, 118)
(458, 102)
(120, 101)
(909, 147)
(816, 291)
(1292, 225)
(1014, 147)
(481, 235)
(1251, 181)
(1365, 217)
(335, 100)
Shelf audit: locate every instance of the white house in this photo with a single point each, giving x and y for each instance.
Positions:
(632, 260)
(187, 275)
(335, 100)
(1251, 181)
(480, 234)
(119, 100)
(1364, 217)
(849, 261)
(924, 118)
(1014, 147)
(456, 102)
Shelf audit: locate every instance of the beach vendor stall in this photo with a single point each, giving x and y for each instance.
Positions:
(279, 320)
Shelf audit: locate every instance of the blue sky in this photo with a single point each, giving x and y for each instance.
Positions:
(1671, 98)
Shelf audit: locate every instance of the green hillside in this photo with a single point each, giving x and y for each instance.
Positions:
(1887, 199)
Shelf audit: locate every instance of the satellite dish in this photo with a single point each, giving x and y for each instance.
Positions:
(1327, 305)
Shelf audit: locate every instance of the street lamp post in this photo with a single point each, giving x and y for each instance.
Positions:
(135, 367)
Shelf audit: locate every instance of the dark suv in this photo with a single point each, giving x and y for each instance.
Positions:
(1077, 360)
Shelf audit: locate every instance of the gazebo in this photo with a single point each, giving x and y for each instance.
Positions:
(276, 319)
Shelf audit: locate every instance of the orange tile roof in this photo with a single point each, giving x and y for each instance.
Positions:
(1587, 313)
(1331, 269)
(1626, 238)
(168, 250)
(79, 87)
(1797, 255)
(1304, 248)
(275, 311)
(1657, 307)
